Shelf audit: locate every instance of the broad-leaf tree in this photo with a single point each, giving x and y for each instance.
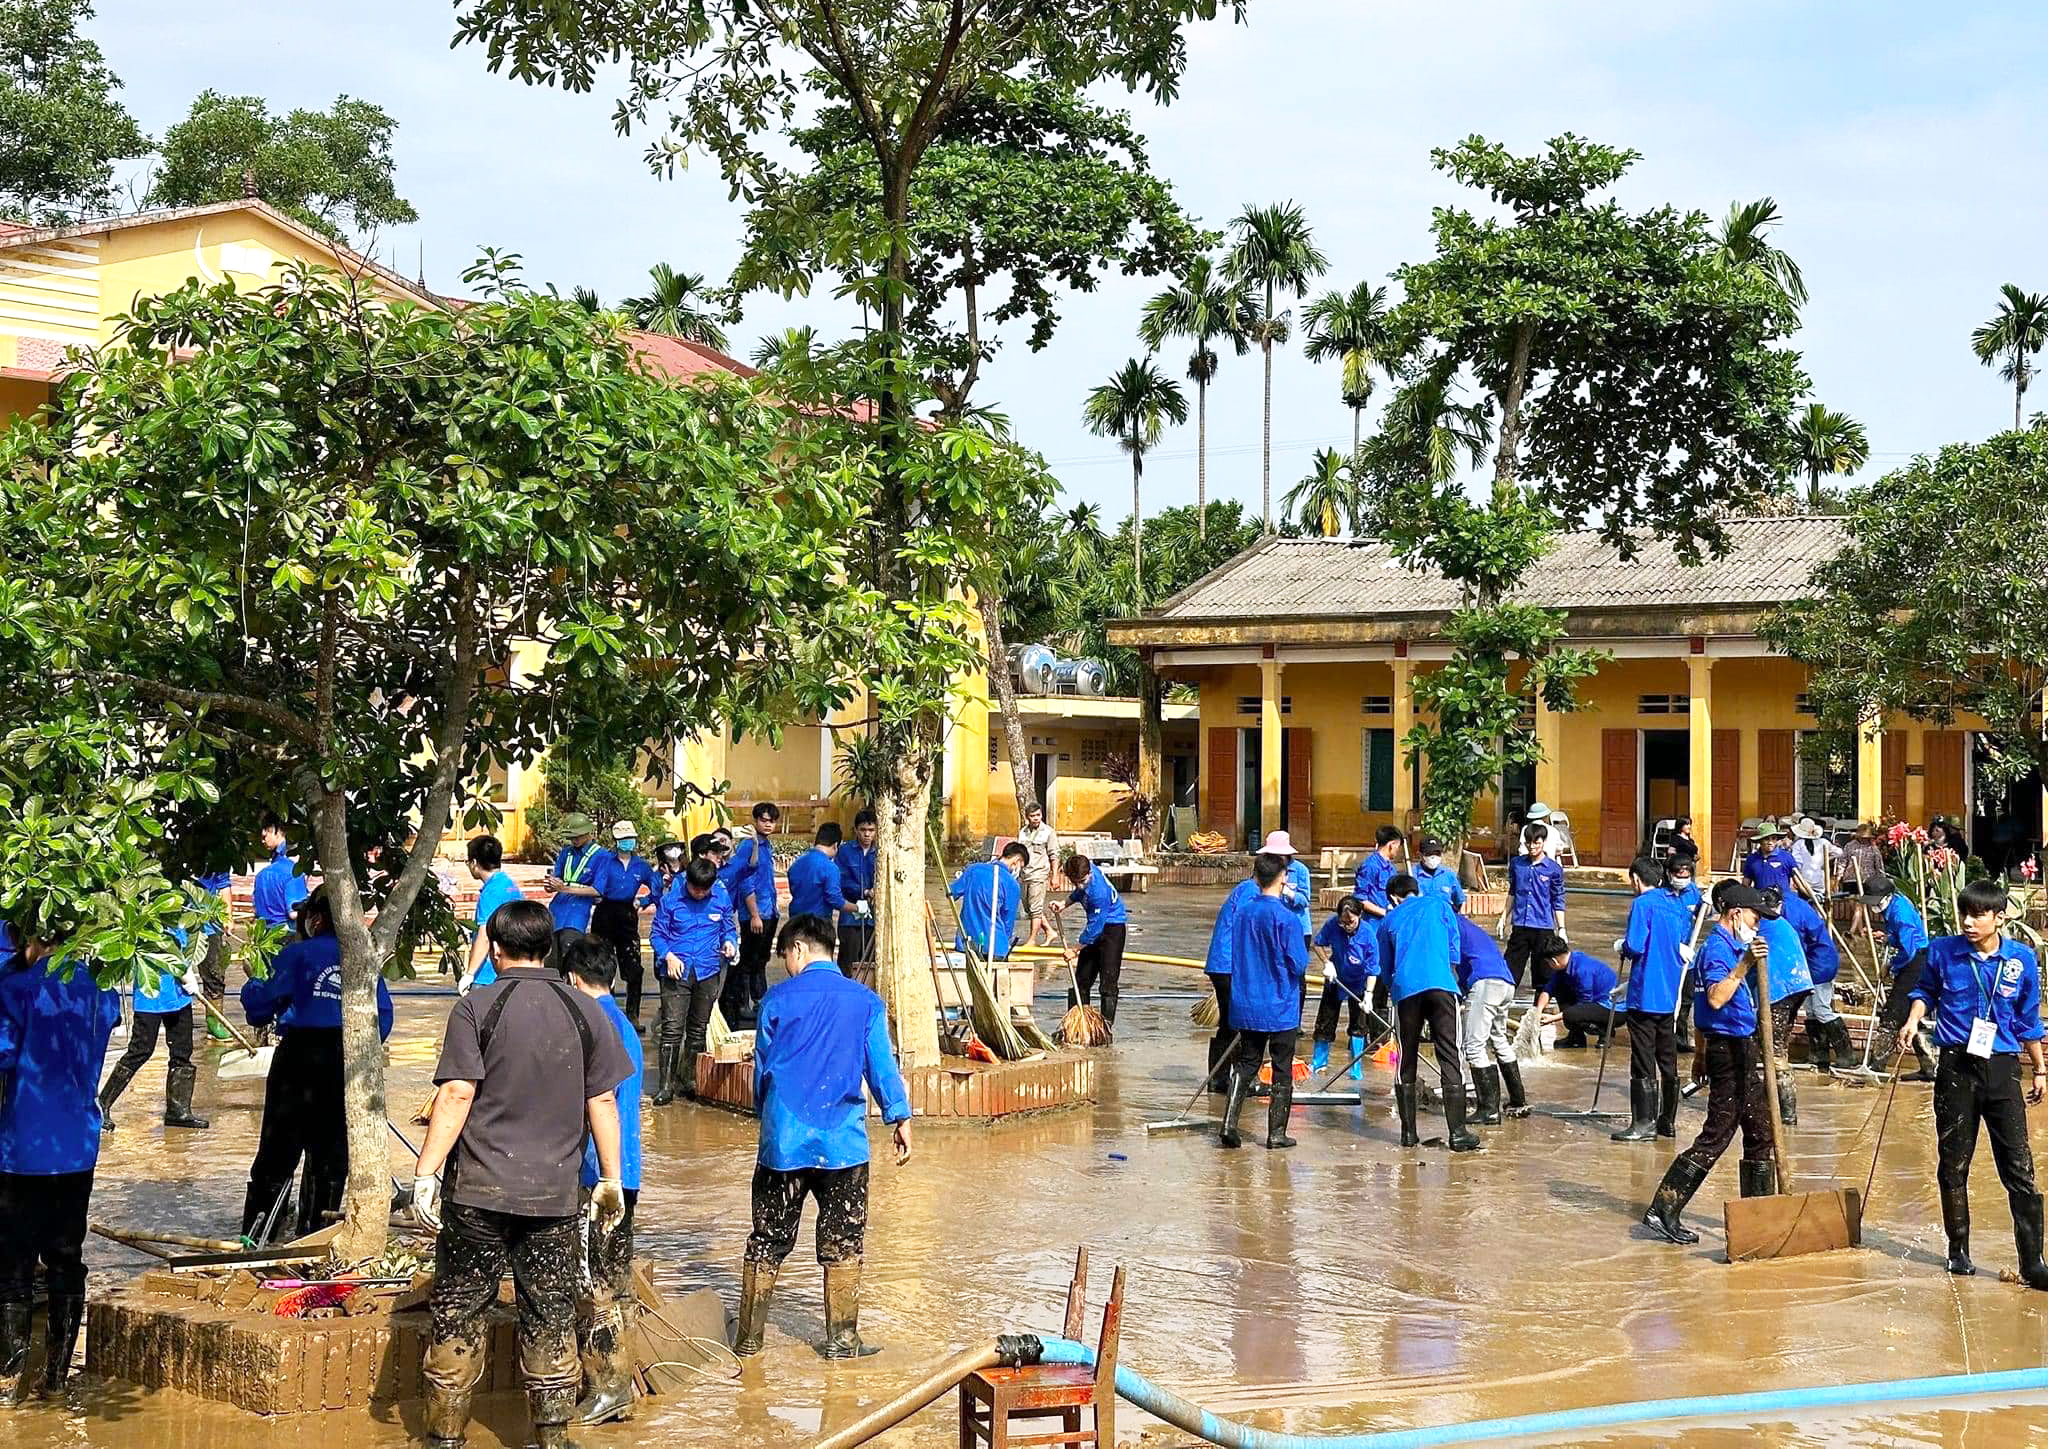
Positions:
(677, 304)
(287, 538)
(1204, 306)
(2012, 339)
(1273, 250)
(61, 129)
(1829, 444)
(1350, 328)
(1134, 407)
(331, 169)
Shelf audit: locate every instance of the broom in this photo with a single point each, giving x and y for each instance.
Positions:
(1083, 1025)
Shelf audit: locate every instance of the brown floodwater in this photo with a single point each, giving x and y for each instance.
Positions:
(1342, 1287)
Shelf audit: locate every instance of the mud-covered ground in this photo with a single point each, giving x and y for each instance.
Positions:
(1345, 1286)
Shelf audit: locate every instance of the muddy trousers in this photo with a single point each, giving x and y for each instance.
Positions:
(1439, 1009)
(1972, 1091)
(1735, 1098)
(1524, 952)
(1483, 1024)
(177, 1032)
(1219, 1045)
(213, 972)
(617, 924)
(1898, 1004)
(685, 1024)
(601, 1327)
(302, 1113)
(1101, 961)
(474, 1249)
(842, 1196)
(42, 1221)
(1275, 1048)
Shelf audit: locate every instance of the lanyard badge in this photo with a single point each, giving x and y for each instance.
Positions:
(1984, 1030)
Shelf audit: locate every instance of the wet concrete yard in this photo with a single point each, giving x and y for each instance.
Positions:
(1345, 1286)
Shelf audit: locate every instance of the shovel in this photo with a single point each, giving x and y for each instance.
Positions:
(251, 1061)
(1786, 1223)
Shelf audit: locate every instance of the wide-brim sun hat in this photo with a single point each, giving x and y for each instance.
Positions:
(1278, 843)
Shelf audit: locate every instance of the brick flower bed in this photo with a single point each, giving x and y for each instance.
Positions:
(960, 1090)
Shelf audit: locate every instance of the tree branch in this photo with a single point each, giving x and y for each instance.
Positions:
(276, 716)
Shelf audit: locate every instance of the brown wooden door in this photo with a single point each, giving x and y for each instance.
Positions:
(1219, 783)
(1777, 765)
(1621, 825)
(1727, 802)
(1300, 811)
(1892, 798)
(1944, 751)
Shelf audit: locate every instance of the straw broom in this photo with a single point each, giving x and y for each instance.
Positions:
(1083, 1025)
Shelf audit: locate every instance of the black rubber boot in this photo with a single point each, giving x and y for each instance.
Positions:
(1667, 1107)
(1845, 1048)
(842, 1313)
(67, 1316)
(1955, 1224)
(685, 1071)
(1681, 1181)
(1518, 1100)
(178, 1098)
(1788, 1102)
(550, 1409)
(1281, 1103)
(664, 1075)
(1457, 1136)
(757, 1286)
(607, 1375)
(117, 1083)
(1642, 1113)
(2026, 1235)
(1404, 1103)
(1574, 1041)
(1758, 1179)
(14, 1342)
(1921, 1055)
(1233, 1105)
(1486, 1089)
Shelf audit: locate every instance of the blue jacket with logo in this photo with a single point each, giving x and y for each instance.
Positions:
(305, 980)
(53, 1042)
(277, 888)
(1269, 961)
(814, 888)
(696, 931)
(1535, 892)
(820, 1037)
(1420, 947)
(856, 873)
(1355, 954)
(753, 873)
(631, 879)
(1959, 986)
(1659, 927)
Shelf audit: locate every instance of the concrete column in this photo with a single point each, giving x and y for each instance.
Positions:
(701, 762)
(1404, 721)
(967, 761)
(1700, 737)
(1870, 769)
(1550, 768)
(1272, 746)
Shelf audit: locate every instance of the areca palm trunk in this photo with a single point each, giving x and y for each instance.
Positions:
(1201, 458)
(1137, 527)
(2019, 388)
(1266, 446)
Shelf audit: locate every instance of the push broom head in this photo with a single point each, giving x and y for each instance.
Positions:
(1084, 1026)
(1206, 1012)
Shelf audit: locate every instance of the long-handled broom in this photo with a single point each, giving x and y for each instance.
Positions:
(1082, 1025)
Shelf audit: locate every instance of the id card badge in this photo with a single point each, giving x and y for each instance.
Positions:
(1982, 1034)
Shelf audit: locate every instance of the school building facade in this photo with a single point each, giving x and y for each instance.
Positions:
(1305, 653)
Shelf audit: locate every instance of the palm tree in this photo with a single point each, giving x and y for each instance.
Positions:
(1350, 327)
(587, 299)
(1744, 242)
(1828, 442)
(1328, 499)
(791, 345)
(676, 306)
(1203, 306)
(1426, 420)
(2015, 334)
(1275, 250)
(1134, 407)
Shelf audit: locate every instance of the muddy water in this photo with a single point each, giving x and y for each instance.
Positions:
(1345, 1286)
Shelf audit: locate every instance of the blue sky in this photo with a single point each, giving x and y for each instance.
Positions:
(1903, 143)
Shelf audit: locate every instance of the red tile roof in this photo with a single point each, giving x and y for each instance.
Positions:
(673, 357)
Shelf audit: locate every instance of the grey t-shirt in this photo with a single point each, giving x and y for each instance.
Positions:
(518, 1041)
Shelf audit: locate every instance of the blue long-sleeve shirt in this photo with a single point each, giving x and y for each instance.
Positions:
(1904, 929)
(1959, 986)
(1355, 954)
(169, 994)
(1369, 883)
(696, 931)
(277, 888)
(1223, 935)
(1300, 895)
(1659, 927)
(631, 879)
(1480, 957)
(989, 900)
(575, 867)
(629, 1105)
(1443, 881)
(753, 873)
(1105, 907)
(1420, 947)
(217, 882)
(856, 873)
(305, 980)
(1535, 891)
(497, 889)
(1788, 970)
(1823, 958)
(818, 1039)
(814, 888)
(1269, 961)
(53, 1042)
(1583, 978)
(1718, 957)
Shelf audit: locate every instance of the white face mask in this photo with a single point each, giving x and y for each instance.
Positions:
(1744, 934)
(1434, 862)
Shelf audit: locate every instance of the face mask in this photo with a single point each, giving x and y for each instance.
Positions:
(1434, 862)
(627, 847)
(1744, 934)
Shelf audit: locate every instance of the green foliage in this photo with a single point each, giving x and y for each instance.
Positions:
(2013, 338)
(1328, 499)
(319, 166)
(1273, 251)
(1829, 443)
(1350, 328)
(1134, 407)
(861, 768)
(675, 306)
(61, 130)
(1744, 239)
(605, 790)
(1935, 605)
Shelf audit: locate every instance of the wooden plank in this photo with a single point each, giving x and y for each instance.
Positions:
(1299, 743)
(1219, 783)
(1620, 825)
(1727, 802)
(1777, 753)
(1793, 1223)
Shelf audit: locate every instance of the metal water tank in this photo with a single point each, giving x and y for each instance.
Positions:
(1080, 676)
(1031, 666)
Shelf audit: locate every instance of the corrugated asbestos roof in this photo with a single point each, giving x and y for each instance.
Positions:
(1768, 562)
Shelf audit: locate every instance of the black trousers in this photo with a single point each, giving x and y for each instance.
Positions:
(472, 1252)
(746, 982)
(1276, 1047)
(856, 943)
(1439, 1009)
(302, 1114)
(1524, 942)
(1735, 1098)
(1898, 1005)
(1783, 1014)
(617, 924)
(842, 1194)
(1334, 999)
(1102, 959)
(1584, 1016)
(686, 1010)
(213, 967)
(1653, 1048)
(42, 1220)
(1972, 1091)
(177, 1030)
(1219, 1044)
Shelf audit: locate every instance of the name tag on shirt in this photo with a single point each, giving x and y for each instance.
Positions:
(1983, 1034)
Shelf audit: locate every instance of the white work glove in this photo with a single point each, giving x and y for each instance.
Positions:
(730, 950)
(190, 981)
(1563, 934)
(862, 908)
(607, 1206)
(1619, 943)
(1685, 954)
(426, 1200)
(1329, 973)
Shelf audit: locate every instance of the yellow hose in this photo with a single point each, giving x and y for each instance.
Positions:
(879, 1421)
(1144, 956)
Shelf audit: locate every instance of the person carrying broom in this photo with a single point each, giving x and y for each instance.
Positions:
(1098, 956)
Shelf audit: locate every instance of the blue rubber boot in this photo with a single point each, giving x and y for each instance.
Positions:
(1319, 1060)
(1358, 1059)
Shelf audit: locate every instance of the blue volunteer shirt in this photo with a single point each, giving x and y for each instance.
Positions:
(575, 867)
(1479, 957)
(1690, 897)
(819, 1037)
(1959, 987)
(169, 994)
(1269, 962)
(696, 931)
(1443, 881)
(1354, 953)
(1370, 882)
(1823, 958)
(53, 1042)
(1535, 891)
(1420, 947)
(814, 888)
(989, 897)
(217, 882)
(1716, 963)
(1106, 908)
(1583, 978)
(631, 879)
(1788, 969)
(1904, 929)
(1223, 936)
(305, 981)
(1300, 895)
(856, 873)
(1770, 868)
(497, 889)
(277, 888)
(753, 873)
(629, 1105)
(1659, 928)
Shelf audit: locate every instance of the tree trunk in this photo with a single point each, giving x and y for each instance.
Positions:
(1150, 747)
(1201, 458)
(1137, 531)
(2019, 390)
(1510, 432)
(1357, 423)
(902, 950)
(1266, 438)
(1006, 700)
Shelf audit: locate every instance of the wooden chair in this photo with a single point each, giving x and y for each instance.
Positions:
(991, 1398)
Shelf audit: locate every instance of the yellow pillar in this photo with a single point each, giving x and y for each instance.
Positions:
(523, 783)
(1404, 721)
(701, 762)
(1700, 739)
(1870, 769)
(1550, 768)
(967, 763)
(1272, 809)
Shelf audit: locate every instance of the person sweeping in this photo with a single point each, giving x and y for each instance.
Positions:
(1905, 930)
(1269, 964)
(1348, 954)
(1098, 956)
(1653, 946)
(1420, 949)
(166, 1007)
(1488, 988)
(1219, 967)
(1791, 988)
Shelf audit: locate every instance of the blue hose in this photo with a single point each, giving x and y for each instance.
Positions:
(1194, 1419)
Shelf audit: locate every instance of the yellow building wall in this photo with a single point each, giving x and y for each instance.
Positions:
(18, 396)
(1083, 802)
